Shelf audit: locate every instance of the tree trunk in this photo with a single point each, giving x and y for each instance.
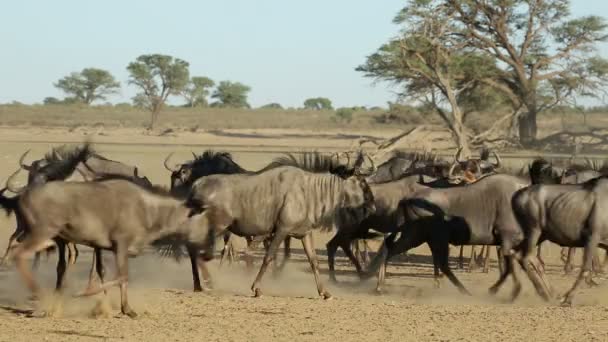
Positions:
(154, 117)
(527, 128)
(461, 139)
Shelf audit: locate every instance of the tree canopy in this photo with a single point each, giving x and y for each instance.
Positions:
(318, 103)
(157, 76)
(231, 94)
(197, 90)
(88, 85)
(530, 51)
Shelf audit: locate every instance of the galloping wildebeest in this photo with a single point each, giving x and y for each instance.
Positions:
(476, 214)
(544, 172)
(114, 214)
(209, 163)
(281, 202)
(568, 215)
(387, 217)
(74, 164)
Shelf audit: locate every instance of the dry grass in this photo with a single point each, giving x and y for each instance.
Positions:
(189, 118)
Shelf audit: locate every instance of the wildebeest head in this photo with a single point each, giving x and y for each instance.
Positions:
(403, 164)
(56, 165)
(357, 194)
(543, 172)
(208, 163)
(472, 169)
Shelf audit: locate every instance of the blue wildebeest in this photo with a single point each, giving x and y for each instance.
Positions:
(73, 164)
(210, 162)
(568, 215)
(281, 202)
(114, 214)
(387, 218)
(543, 171)
(476, 214)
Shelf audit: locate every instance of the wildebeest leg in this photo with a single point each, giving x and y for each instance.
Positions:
(98, 263)
(461, 258)
(286, 252)
(412, 237)
(504, 273)
(500, 259)
(568, 266)
(441, 254)
(268, 258)
(486, 260)
(309, 249)
(588, 252)
(36, 261)
(248, 253)
(122, 265)
(10, 246)
(227, 245)
(61, 264)
(93, 273)
(72, 253)
(31, 244)
(341, 239)
(472, 260)
(193, 254)
(539, 255)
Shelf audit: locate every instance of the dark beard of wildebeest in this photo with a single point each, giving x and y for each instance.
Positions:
(568, 215)
(114, 214)
(210, 162)
(544, 172)
(67, 163)
(281, 202)
(476, 214)
(386, 218)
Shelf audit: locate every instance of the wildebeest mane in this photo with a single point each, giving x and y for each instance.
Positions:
(313, 161)
(222, 160)
(63, 161)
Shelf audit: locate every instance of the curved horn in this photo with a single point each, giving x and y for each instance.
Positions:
(22, 164)
(166, 163)
(371, 161)
(194, 155)
(451, 172)
(498, 160)
(9, 183)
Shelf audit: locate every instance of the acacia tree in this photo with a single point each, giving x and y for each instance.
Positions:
(231, 94)
(431, 64)
(318, 103)
(545, 57)
(158, 77)
(197, 90)
(88, 85)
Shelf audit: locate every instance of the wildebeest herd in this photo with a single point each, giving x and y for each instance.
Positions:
(74, 196)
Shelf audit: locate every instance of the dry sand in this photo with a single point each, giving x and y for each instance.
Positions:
(160, 290)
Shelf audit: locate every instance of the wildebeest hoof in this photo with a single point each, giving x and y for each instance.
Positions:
(38, 314)
(130, 313)
(493, 290)
(326, 296)
(566, 302)
(257, 293)
(378, 291)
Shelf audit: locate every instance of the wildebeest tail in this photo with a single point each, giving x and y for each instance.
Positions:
(7, 203)
(170, 247)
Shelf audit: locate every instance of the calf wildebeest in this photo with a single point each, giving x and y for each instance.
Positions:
(114, 214)
(568, 215)
(476, 214)
(75, 164)
(281, 202)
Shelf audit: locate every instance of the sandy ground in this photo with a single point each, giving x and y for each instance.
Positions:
(160, 290)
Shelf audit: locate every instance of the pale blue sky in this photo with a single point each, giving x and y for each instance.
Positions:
(286, 51)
